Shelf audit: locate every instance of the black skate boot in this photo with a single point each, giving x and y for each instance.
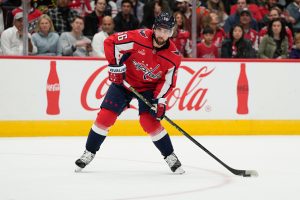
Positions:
(84, 160)
(174, 164)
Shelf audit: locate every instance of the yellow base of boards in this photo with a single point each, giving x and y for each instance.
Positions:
(132, 128)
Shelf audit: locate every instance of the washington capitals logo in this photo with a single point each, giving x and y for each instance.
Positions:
(147, 72)
(143, 34)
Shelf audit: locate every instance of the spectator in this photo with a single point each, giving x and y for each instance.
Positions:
(234, 19)
(98, 39)
(111, 8)
(138, 7)
(212, 20)
(83, 7)
(294, 11)
(217, 6)
(44, 5)
(249, 33)
(184, 7)
(6, 17)
(151, 10)
(125, 21)
(1, 19)
(137, 11)
(236, 46)
(93, 21)
(295, 53)
(62, 16)
(264, 8)
(206, 48)
(275, 12)
(74, 43)
(181, 37)
(275, 43)
(12, 38)
(45, 38)
(33, 15)
(241, 4)
(179, 19)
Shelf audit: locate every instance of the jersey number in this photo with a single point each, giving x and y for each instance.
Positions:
(122, 36)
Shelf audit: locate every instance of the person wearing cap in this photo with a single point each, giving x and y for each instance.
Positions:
(253, 8)
(33, 14)
(234, 19)
(249, 33)
(12, 38)
(148, 61)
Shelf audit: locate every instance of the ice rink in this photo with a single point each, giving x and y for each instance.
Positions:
(131, 168)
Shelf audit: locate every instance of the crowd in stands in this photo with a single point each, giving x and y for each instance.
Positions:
(225, 28)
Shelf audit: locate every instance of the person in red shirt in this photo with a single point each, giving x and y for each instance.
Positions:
(241, 4)
(249, 33)
(148, 61)
(181, 37)
(33, 15)
(83, 7)
(207, 49)
(213, 21)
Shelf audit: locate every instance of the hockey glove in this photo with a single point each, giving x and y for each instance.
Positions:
(116, 73)
(159, 108)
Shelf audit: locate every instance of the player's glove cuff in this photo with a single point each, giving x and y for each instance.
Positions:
(159, 108)
(116, 73)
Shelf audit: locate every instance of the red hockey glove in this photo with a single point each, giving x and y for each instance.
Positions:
(159, 109)
(116, 73)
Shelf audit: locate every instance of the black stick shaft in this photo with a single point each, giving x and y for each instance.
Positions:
(234, 171)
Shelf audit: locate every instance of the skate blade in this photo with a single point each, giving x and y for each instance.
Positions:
(179, 170)
(78, 169)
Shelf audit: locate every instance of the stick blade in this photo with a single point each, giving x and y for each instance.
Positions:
(250, 173)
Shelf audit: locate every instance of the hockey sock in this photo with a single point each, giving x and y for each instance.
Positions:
(159, 135)
(164, 145)
(98, 132)
(94, 141)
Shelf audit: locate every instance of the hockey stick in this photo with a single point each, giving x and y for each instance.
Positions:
(245, 173)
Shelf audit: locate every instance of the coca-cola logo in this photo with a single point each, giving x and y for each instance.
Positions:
(190, 96)
(53, 87)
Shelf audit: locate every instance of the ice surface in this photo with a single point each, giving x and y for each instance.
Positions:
(130, 168)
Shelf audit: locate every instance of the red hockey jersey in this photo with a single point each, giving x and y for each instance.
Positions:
(148, 68)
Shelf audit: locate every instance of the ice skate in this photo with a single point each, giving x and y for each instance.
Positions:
(174, 164)
(84, 160)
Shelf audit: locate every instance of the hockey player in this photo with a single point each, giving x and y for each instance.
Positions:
(148, 61)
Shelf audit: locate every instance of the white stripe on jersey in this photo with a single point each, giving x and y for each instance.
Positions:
(122, 47)
(159, 135)
(168, 82)
(99, 130)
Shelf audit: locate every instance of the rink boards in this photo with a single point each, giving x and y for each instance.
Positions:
(204, 101)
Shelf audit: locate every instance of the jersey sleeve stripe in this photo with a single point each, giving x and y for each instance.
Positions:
(168, 83)
(121, 47)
